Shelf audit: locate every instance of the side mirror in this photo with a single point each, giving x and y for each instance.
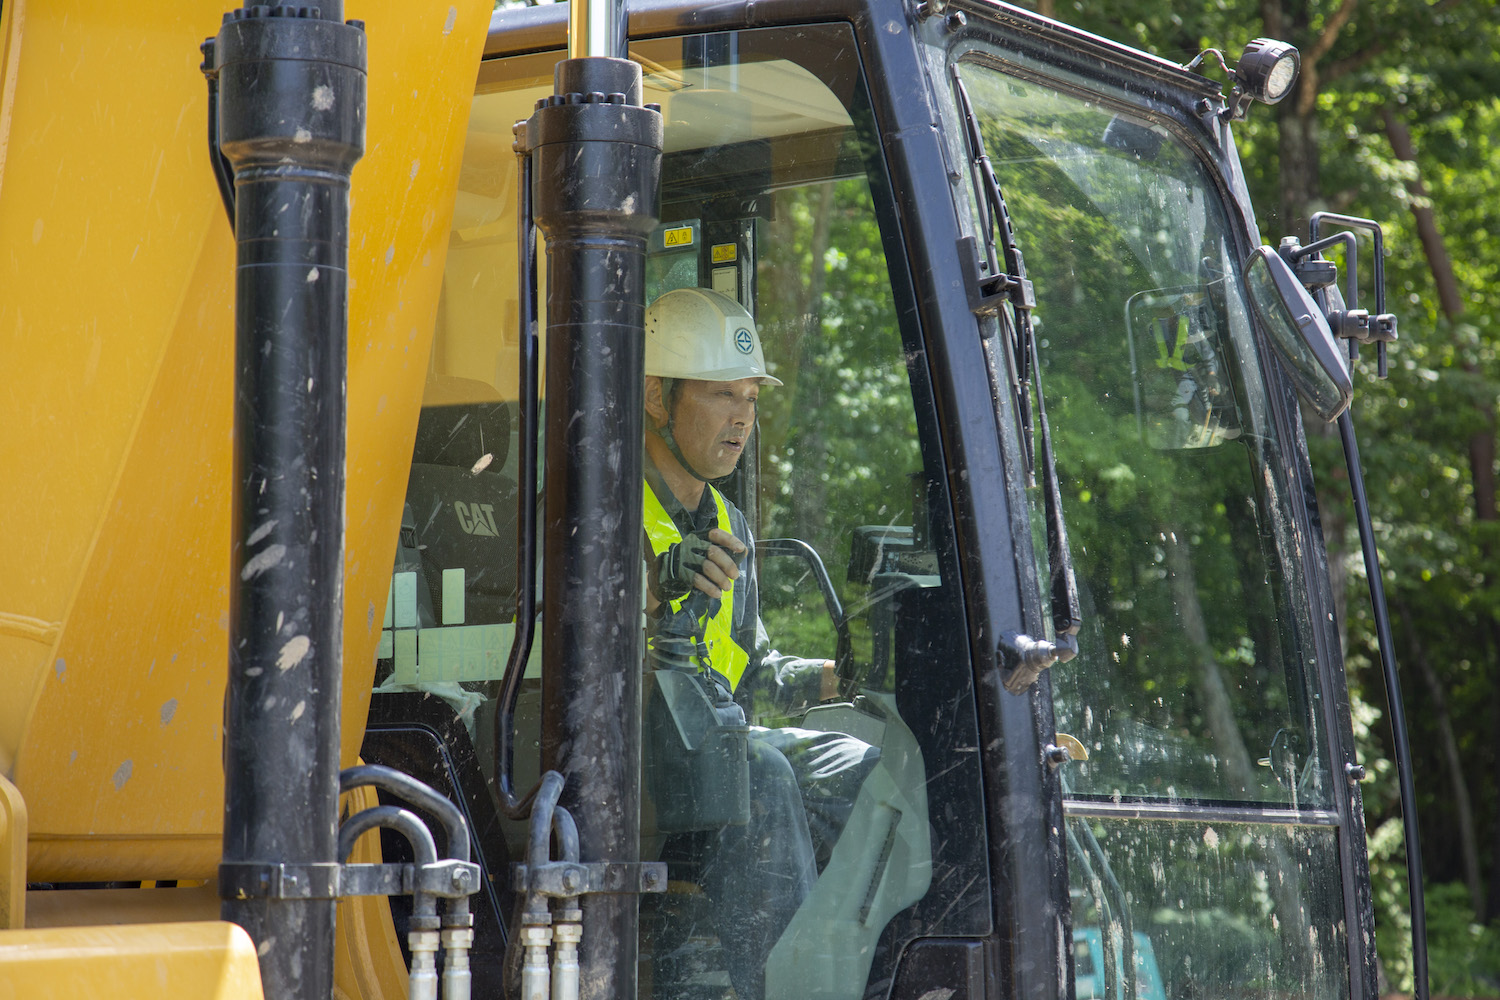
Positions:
(1300, 332)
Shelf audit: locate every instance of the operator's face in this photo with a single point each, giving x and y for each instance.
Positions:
(712, 422)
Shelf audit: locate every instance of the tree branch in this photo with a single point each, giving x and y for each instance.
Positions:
(1312, 77)
(1330, 32)
(1354, 62)
(1351, 63)
(1270, 13)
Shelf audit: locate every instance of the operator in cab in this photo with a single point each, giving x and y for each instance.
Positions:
(705, 370)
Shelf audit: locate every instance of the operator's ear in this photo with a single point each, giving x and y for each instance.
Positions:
(656, 407)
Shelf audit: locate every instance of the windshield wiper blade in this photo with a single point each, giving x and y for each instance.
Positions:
(1013, 287)
(999, 286)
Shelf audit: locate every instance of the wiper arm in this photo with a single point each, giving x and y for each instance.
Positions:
(1067, 616)
(1025, 657)
(998, 286)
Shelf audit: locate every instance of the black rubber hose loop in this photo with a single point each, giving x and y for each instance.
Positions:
(403, 821)
(416, 793)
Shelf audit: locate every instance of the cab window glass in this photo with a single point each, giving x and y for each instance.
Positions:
(774, 200)
(1194, 687)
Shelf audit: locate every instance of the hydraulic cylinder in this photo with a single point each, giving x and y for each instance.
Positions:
(291, 88)
(597, 163)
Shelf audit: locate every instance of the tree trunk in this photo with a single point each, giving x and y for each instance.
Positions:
(1224, 728)
(1462, 805)
(800, 318)
(1493, 910)
(1481, 449)
(1298, 153)
(1301, 184)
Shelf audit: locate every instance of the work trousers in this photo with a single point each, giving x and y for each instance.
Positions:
(802, 789)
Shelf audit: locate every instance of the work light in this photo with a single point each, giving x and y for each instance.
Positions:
(1267, 69)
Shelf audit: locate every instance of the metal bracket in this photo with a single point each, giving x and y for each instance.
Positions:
(264, 880)
(1315, 272)
(253, 880)
(1024, 658)
(448, 879)
(566, 878)
(988, 291)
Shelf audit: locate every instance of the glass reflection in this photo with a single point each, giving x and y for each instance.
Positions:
(1207, 909)
(1193, 680)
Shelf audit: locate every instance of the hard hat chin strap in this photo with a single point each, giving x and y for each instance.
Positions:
(668, 438)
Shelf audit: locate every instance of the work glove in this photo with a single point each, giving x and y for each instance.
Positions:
(676, 567)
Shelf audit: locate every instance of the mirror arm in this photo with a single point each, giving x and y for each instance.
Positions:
(1400, 738)
(1354, 324)
(844, 648)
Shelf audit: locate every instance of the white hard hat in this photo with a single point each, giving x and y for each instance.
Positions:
(701, 334)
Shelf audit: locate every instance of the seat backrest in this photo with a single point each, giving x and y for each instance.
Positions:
(465, 511)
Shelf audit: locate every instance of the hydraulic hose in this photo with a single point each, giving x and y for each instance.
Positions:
(409, 789)
(520, 650)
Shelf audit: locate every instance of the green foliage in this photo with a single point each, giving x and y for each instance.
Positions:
(1387, 849)
(839, 442)
(1464, 955)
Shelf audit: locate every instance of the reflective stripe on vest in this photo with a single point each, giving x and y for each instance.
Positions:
(725, 656)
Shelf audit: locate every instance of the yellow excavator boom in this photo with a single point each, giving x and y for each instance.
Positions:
(116, 334)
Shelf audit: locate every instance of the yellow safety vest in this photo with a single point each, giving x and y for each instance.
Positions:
(725, 657)
(1172, 358)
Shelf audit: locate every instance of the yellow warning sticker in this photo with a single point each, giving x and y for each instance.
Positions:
(678, 237)
(723, 253)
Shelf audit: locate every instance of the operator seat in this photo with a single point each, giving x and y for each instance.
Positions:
(464, 506)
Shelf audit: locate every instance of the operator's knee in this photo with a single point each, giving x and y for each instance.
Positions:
(776, 807)
(769, 768)
(759, 873)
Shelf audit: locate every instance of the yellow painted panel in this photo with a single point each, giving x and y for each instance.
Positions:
(12, 857)
(202, 961)
(421, 89)
(141, 658)
(105, 856)
(96, 907)
(121, 331)
(99, 205)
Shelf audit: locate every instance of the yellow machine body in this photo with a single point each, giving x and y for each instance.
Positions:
(212, 961)
(116, 387)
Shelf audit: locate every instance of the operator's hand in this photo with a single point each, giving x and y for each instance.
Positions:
(829, 688)
(702, 560)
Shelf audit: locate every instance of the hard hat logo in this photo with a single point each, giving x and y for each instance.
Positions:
(696, 333)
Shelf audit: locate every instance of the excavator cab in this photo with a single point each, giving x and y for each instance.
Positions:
(1034, 481)
(789, 182)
